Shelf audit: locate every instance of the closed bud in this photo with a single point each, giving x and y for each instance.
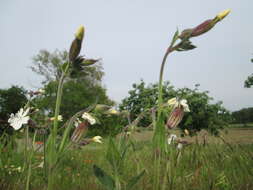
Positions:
(80, 33)
(76, 45)
(203, 28)
(223, 14)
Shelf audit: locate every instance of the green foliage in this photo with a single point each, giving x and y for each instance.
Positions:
(80, 90)
(214, 166)
(11, 100)
(243, 116)
(104, 178)
(50, 66)
(203, 115)
(249, 82)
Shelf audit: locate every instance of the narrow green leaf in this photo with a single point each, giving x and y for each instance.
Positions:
(174, 39)
(134, 180)
(104, 178)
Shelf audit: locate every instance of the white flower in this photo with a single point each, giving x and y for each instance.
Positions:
(97, 139)
(174, 102)
(77, 122)
(172, 138)
(112, 112)
(88, 118)
(179, 146)
(41, 91)
(20, 118)
(59, 118)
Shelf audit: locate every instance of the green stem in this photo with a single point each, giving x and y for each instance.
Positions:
(159, 134)
(52, 152)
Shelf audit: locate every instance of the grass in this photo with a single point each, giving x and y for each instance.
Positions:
(216, 166)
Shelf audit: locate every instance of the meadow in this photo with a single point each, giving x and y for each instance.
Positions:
(181, 146)
(217, 165)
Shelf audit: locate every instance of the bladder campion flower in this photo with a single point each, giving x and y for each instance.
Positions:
(172, 138)
(97, 139)
(177, 113)
(204, 26)
(20, 118)
(86, 116)
(76, 45)
(59, 118)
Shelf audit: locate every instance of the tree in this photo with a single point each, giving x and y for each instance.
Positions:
(11, 100)
(49, 66)
(249, 82)
(78, 94)
(203, 115)
(244, 115)
(80, 90)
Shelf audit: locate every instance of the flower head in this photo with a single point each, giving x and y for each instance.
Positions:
(112, 112)
(20, 118)
(59, 118)
(97, 139)
(177, 113)
(204, 26)
(181, 103)
(86, 116)
(172, 138)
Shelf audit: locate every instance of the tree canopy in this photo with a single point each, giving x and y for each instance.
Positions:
(249, 81)
(204, 114)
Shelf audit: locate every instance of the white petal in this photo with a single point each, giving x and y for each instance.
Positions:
(185, 105)
(172, 101)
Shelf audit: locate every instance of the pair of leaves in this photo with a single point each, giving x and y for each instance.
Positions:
(185, 46)
(109, 182)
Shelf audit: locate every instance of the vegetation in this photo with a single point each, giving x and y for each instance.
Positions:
(48, 151)
(203, 114)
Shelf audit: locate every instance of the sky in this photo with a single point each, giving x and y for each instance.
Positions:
(131, 37)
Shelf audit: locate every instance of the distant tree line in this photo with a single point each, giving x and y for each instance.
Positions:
(243, 116)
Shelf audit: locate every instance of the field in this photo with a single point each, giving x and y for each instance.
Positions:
(219, 165)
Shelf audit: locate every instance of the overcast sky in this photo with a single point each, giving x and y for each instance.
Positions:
(131, 37)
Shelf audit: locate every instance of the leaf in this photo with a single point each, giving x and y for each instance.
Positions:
(134, 180)
(174, 39)
(104, 178)
(186, 45)
(113, 155)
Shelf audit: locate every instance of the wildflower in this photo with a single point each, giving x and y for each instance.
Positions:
(102, 107)
(179, 146)
(76, 44)
(39, 142)
(186, 132)
(59, 118)
(86, 116)
(223, 14)
(174, 102)
(77, 122)
(41, 165)
(79, 131)
(80, 33)
(177, 113)
(204, 26)
(20, 118)
(97, 139)
(172, 138)
(112, 112)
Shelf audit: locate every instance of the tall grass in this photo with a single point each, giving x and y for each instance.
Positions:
(214, 166)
